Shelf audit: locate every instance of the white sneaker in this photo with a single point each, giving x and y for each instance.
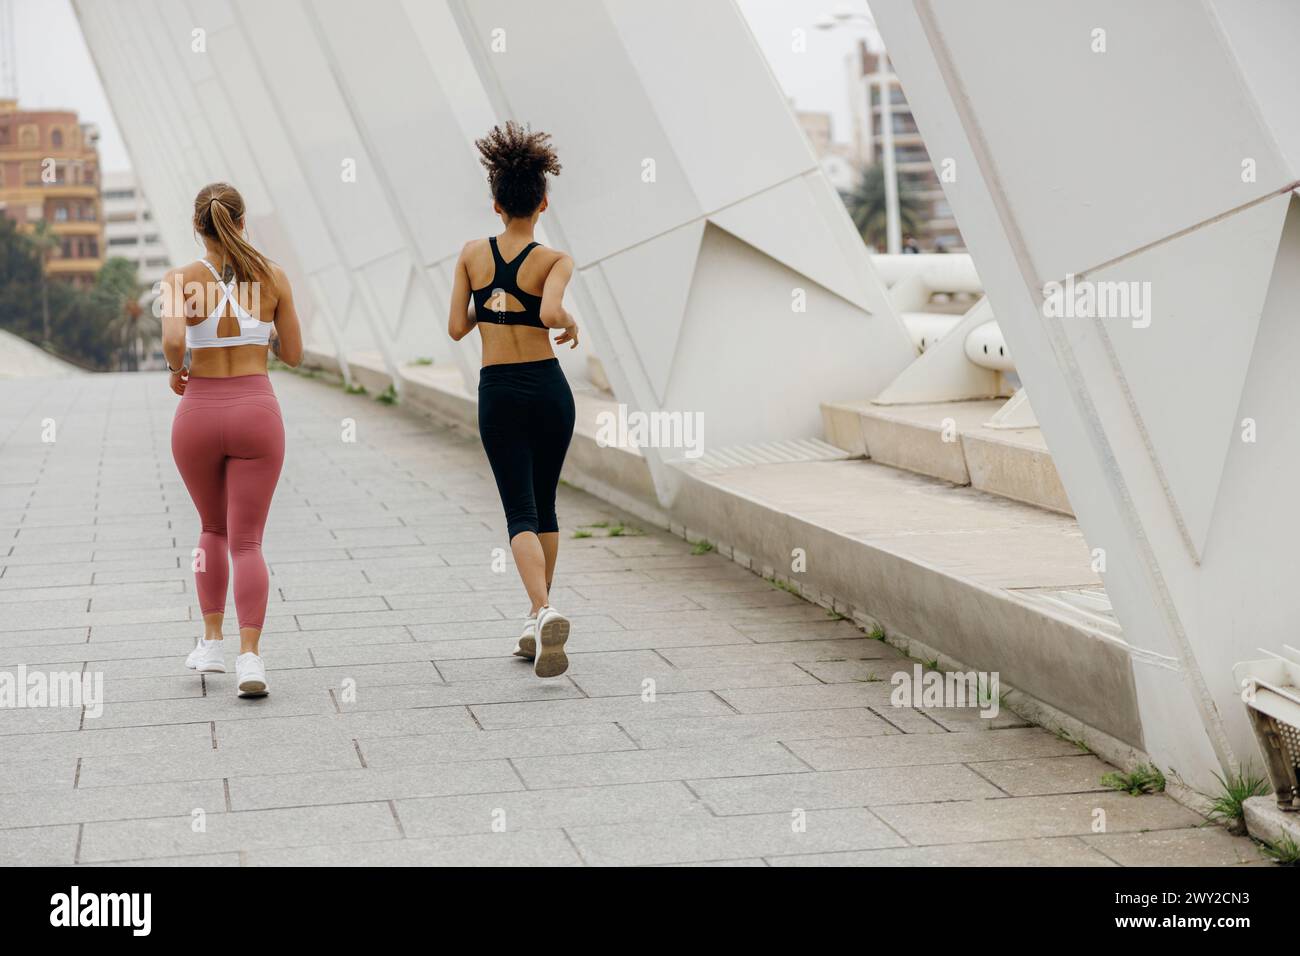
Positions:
(207, 657)
(526, 646)
(250, 675)
(552, 632)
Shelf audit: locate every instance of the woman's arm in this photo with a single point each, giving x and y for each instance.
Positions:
(461, 320)
(286, 342)
(171, 299)
(553, 314)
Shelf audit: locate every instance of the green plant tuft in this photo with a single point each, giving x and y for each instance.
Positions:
(1285, 852)
(1142, 779)
(1230, 805)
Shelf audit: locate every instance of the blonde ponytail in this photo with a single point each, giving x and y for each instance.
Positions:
(218, 212)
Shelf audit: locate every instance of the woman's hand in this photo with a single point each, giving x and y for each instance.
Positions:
(180, 378)
(570, 335)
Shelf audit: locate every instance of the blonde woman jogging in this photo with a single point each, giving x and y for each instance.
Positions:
(229, 309)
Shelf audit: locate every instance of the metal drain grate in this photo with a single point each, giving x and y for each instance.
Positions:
(1271, 691)
(766, 453)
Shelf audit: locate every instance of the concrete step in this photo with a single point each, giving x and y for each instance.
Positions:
(951, 441)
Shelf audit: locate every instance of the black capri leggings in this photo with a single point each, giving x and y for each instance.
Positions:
(525, 418)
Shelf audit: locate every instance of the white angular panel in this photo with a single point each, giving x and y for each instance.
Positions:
(317, 121)
(785, 223)
(1185, 369)
(652, 282)
(389, 280)
(414, 136)
(260, 123)
(602, 119)
(1105, 152)
(1262, 36)
(715, 119)
(1246, 588)
(943, 373)
(736, 360)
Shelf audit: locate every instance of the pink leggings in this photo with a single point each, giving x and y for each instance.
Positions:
(228, 442)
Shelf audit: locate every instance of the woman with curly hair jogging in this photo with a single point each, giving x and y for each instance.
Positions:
(229, 309)
(512, 289)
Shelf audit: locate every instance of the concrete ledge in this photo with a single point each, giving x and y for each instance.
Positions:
(925, 439)
(439, 392)
(319, 361)
(621, 476)
(1014, 464)
(842, 426)
(1266, 822)
(368, 371)
(949, 441)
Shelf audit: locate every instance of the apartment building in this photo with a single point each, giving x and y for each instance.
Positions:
(870, 74)
(129, 228)
(49, 171)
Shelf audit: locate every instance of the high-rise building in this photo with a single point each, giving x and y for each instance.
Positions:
(49, 170)
(869, 73)
(836, 159)
(129, 228)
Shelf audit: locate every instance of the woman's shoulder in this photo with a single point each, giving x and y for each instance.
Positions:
(550, 256)
(190, 272)
(279, 278)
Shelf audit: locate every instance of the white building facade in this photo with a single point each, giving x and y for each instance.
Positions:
(129, 228)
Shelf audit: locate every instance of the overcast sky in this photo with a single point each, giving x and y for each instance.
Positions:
(55, 69)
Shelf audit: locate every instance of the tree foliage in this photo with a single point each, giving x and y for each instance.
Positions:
(866, 205)
(95, 327)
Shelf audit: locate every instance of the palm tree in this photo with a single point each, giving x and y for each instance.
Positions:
(45, 241)
(866, 205)
(132, 325)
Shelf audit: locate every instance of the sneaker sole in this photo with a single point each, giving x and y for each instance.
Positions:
(252, 688)
(209, 669)
(551, 660)
(527, 648)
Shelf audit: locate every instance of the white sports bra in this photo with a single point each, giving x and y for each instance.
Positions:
(204, 335)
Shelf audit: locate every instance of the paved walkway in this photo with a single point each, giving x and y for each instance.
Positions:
(707, 715)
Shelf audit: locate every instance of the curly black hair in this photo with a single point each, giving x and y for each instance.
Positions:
(517, 161)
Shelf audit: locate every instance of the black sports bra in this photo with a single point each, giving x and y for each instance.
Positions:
(490, 301)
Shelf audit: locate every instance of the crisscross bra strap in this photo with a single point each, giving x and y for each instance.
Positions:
(506, 274)
(204, 335)
(505, 278)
